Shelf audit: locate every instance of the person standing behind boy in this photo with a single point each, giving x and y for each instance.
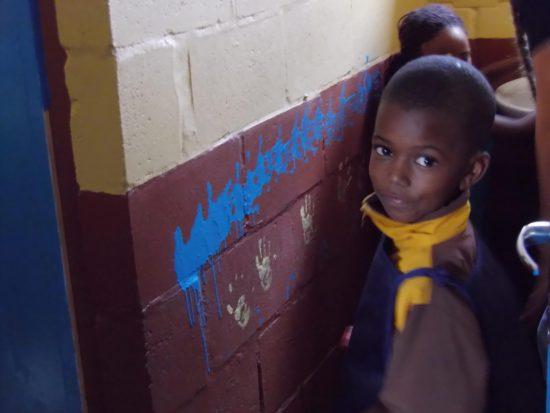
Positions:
(436, 29)
(532, 18)
(436, 329)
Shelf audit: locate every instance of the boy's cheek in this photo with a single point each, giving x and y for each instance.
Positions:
(375, 172)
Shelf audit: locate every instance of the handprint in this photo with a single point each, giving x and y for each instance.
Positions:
(263, 264)
(306, 212)
(241, 313)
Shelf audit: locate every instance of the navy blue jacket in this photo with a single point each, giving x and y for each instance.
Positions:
(515, 376)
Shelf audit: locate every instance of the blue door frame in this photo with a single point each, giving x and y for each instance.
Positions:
(38, 362)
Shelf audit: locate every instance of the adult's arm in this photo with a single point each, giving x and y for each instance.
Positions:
(541, 60)
(509, 128)
(533, 16)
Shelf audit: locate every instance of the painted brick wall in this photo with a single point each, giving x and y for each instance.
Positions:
(219, 151)
(220, 176)
(149, 70)
(169, 79)
(248, 259)
(225, 284)
(154, 84)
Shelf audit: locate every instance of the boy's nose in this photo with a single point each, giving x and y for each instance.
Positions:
(399, 173)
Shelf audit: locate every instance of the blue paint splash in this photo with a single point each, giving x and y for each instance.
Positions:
(258, 312)
(291, 278)
(226, 211)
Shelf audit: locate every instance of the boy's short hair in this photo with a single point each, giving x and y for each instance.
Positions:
(449, 86)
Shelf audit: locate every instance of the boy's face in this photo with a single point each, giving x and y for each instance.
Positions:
(419, 162)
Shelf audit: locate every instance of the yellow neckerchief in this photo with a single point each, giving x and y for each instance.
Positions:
(414, 243)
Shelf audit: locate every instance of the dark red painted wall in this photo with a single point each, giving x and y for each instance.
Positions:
(139, 350)
(100, 260)
(285, 353)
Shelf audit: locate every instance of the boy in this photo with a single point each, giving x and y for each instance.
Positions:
(436, 328)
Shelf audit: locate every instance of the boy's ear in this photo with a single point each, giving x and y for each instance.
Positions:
(478, 167)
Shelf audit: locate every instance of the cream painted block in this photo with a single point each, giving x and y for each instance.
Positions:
(191, 144)
(475, 3)
(318, 45)
(237, 77)
(374, 28)
(250, 7)
(495, 22)
(83, 23)
(149, 113)
(135, 21)
(469, 16)
(95, 123)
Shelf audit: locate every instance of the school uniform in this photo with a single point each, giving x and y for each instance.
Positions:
(437, 329)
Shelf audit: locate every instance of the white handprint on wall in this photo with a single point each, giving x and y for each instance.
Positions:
(263, 263)
(241, 312)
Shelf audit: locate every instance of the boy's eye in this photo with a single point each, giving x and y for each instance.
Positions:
(382, 150)
(426, 161)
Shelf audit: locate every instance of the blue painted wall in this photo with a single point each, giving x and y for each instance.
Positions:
(37, 358)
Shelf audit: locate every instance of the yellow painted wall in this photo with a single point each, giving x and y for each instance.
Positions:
(90, 73)
(153, 85)
(485, 19)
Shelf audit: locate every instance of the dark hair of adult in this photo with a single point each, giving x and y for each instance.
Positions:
(450, 87)
(418, 27)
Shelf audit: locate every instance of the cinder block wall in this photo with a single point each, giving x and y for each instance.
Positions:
(259, 57)
(219, 151)
(175, 77)
(485, 19)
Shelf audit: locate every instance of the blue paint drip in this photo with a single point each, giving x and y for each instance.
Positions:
(189, 308)
(258, 312)
(227, 211)
(215, 282)
(202, 323)
(194, 303)
(291, 278)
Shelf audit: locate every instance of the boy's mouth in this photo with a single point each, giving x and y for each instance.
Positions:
(396, 207)
(392, 200)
